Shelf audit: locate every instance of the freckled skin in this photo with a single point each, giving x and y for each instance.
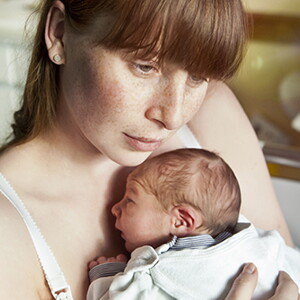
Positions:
(107, 96)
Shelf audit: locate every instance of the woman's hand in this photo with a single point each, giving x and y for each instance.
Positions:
(286, 288)
(244, 286)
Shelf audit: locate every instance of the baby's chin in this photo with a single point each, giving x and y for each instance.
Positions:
(129, 247)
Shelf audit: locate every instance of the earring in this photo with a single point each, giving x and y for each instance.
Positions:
(57, 58)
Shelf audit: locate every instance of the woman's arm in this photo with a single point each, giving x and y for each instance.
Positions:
(222, 126)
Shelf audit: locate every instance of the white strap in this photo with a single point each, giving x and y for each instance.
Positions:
(187, 137)
(55, 277)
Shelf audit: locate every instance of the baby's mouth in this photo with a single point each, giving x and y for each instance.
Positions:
(121, 232)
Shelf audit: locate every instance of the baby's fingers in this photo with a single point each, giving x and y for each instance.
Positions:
(121, 258)
(244, 285)
(97, 261)
(103, 259)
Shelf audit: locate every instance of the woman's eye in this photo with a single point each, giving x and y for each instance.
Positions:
(145, 69)
(196, 80)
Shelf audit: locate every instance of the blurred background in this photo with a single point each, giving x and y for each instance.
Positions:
(267, 85)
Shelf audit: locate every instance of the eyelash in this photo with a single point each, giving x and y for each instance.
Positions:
(139, 68)
(128, 200)
(152, 69)
(197, 81)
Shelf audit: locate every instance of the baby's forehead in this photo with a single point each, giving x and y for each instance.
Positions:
(133, 185)
(138, 186)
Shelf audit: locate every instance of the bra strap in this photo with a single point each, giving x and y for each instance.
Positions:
(55, 277)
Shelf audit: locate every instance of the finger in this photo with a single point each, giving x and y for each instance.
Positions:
(92, 264)
(101, 259)
(286, 288)
(121, 258)
(111, 259)
(244, 285)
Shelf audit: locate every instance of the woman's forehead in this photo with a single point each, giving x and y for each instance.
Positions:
(195, 34)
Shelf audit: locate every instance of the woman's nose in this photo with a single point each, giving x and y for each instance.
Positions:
(167, 108)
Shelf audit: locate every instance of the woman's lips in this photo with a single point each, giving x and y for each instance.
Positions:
(142, 144)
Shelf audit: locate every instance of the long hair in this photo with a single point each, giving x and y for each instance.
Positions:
(205, 37)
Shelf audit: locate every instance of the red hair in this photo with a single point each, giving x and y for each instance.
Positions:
(205, 37)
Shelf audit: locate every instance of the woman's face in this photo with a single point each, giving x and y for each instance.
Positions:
(123, 106)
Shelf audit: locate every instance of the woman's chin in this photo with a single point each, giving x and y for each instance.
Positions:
(130, 158)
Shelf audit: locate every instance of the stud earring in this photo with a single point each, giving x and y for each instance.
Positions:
(57, 58)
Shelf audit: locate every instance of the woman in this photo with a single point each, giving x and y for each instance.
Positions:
(111, 82)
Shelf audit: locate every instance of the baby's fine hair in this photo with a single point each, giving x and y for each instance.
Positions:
(197, 177)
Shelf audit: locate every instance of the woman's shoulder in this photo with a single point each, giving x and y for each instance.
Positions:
(14, 159)
(221, 124)
(220, 104)
(20, 271)
(218, 89)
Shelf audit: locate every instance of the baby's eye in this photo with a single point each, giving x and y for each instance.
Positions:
(128, 200)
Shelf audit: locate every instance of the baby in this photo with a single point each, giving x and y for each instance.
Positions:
(179, 217)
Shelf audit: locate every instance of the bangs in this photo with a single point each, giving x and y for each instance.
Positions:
(205, 37)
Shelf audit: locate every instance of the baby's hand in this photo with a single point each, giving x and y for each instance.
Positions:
(102, 259)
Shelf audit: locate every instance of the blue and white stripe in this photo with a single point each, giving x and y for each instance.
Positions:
(106, 269)
(201, 241)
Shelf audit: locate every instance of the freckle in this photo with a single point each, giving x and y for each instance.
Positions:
(167, 92)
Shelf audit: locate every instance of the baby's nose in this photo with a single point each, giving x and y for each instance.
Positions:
(116, 210)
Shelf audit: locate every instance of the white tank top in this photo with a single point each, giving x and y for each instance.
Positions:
(56, 280)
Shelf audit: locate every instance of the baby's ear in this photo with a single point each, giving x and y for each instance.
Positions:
(185, 219)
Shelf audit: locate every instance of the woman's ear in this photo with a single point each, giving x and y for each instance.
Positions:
(54, 32)
(185, 219)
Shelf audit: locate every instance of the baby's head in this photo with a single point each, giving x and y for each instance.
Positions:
(183, 192)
